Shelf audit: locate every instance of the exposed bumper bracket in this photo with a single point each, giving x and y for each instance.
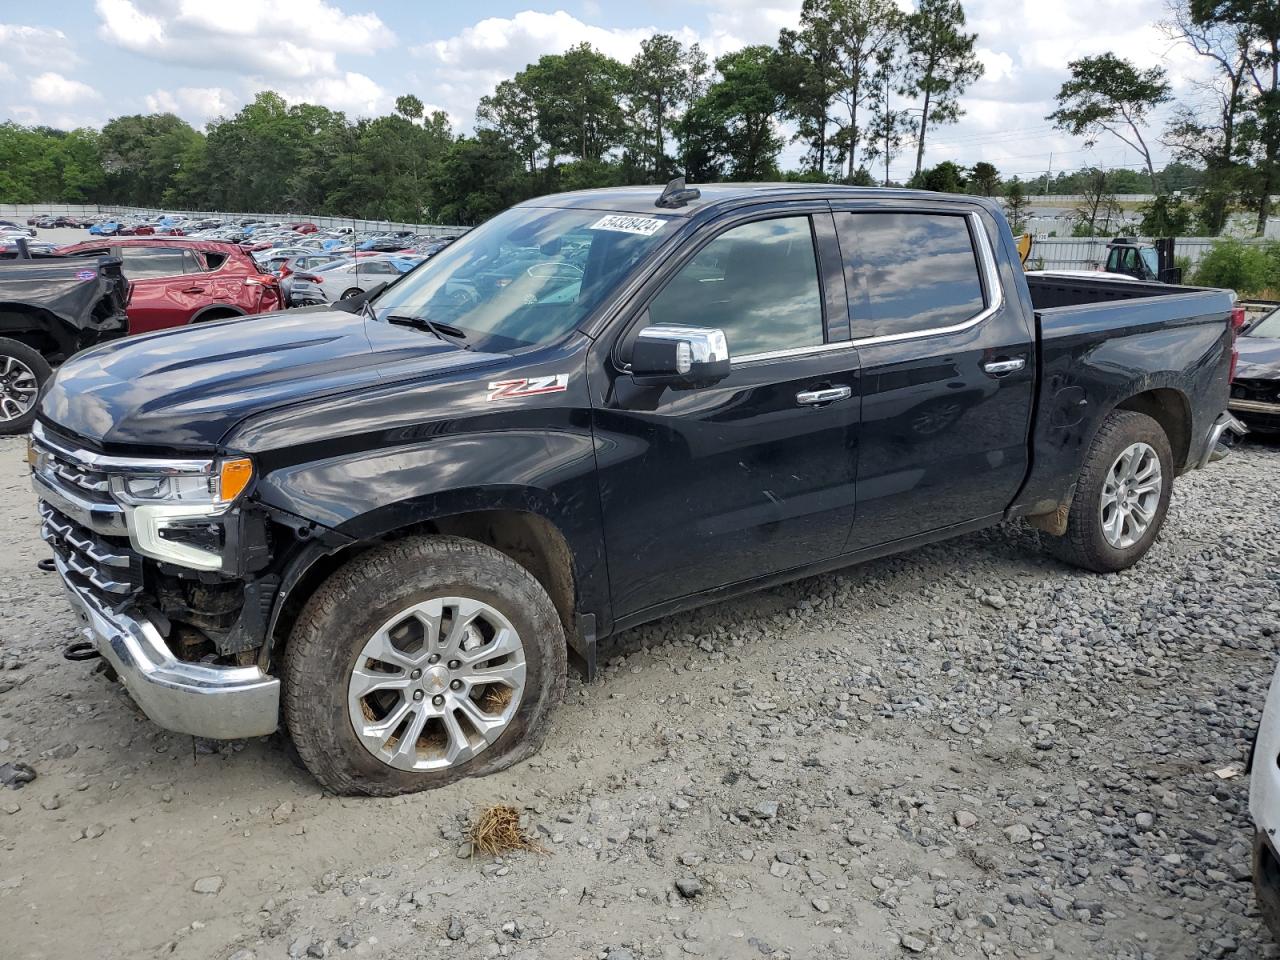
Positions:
(222, 703)
(1214, 449)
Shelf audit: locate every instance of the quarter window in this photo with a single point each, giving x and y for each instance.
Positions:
(757, 282)
(908, 272)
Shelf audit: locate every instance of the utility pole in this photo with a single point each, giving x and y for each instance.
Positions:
(886, 129)
(1048, 176)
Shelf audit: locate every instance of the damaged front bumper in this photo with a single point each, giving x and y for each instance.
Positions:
(223, 703)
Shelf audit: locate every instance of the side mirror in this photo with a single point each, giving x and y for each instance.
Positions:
(679, 356)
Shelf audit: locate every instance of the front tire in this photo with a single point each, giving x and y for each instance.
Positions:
(23, 374)
(419, 663)
(1122, 495)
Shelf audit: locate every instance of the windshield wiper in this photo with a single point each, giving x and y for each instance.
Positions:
(443, 331)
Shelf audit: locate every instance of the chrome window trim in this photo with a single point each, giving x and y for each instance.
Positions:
(111, 464)
(989, 274)
(791, 352)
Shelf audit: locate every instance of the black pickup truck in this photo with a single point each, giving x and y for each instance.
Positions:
(387, 526)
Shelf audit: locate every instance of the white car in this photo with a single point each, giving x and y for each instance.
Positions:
(1264, 806)
(346, 278)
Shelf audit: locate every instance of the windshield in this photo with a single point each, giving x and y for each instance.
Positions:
(1268, 326)
(527, 277)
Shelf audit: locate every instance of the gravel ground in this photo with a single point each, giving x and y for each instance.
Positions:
(966, 751)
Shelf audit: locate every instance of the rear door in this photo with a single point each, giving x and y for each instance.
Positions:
(162, 295)
(754, 475)
(947, 369)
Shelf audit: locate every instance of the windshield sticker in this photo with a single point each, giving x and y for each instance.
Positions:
(86, 274)
(645, 226)
(528, 387)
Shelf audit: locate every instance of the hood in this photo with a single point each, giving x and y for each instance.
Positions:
(1259, 358)
(186, 388)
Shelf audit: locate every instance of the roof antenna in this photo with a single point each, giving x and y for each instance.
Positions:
(676, 194)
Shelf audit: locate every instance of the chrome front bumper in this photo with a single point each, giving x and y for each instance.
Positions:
(223, 703)
(1213, 449)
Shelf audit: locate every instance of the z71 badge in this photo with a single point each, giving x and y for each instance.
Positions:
(528, 387)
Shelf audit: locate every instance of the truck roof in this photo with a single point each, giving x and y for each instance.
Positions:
(640, 199)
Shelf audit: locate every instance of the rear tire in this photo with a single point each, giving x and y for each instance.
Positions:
(1122, 495)
(353, 292)
(387, 623)
(23, 374)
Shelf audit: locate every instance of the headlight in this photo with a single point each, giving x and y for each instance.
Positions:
(215, 487)
(174, 516)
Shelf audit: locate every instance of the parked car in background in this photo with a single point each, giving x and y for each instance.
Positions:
(345, 279)
(51, 308)
(1255, 391)
(304, 263)
(175, 281)
(105, 228)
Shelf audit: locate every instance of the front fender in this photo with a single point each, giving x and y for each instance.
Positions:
(372, 494)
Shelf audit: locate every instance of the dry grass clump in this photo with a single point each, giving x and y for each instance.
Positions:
(497, 830)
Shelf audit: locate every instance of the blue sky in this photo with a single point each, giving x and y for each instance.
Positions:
(80, 62)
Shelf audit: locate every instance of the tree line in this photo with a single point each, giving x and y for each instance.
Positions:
(856, 84)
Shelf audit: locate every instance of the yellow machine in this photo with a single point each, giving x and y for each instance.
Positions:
(1024, 248)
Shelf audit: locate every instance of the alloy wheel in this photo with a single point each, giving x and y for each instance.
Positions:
(436, 684)
(19, 388)
(1131, 495)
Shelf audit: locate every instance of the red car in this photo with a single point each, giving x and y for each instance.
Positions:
(175, 281)
(304, 227)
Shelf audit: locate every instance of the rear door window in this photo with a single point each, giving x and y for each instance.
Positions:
(143, 263)
(908, 272)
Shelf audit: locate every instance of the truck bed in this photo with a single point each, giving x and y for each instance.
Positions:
(1050, 291)
(1096, 337)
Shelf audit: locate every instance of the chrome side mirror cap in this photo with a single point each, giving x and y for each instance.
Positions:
(668, 355)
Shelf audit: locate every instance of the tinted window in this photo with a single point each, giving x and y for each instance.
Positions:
(908, 272)
(758, 283)
(191, 263)
(143, 262)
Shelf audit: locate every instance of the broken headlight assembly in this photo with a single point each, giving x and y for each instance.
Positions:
(176, 515)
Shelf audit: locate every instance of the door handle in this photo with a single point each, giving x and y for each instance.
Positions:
(811, 398)
(998, 368)
(193, 289)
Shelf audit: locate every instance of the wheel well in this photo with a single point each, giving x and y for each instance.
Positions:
(28, 325)
(216, 313)
(1170, 409)
(530, 540)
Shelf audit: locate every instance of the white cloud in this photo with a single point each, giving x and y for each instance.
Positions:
(196, 105)
(464, 67)
(34, 47)
(54, 88)
(354, 93)
(287, 39)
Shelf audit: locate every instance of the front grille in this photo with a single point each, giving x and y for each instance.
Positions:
(107, 567)
(76, 477)
(1265, 391)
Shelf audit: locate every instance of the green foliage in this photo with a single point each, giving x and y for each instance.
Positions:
(984, 179)
(1248, 269)
(37, 163)
(1109, 94)
(1165, 216)
(741, 109)
(940, 64)
(946, 177)
(1016, 204)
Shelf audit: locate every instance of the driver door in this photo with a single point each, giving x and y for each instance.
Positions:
(703, 488)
